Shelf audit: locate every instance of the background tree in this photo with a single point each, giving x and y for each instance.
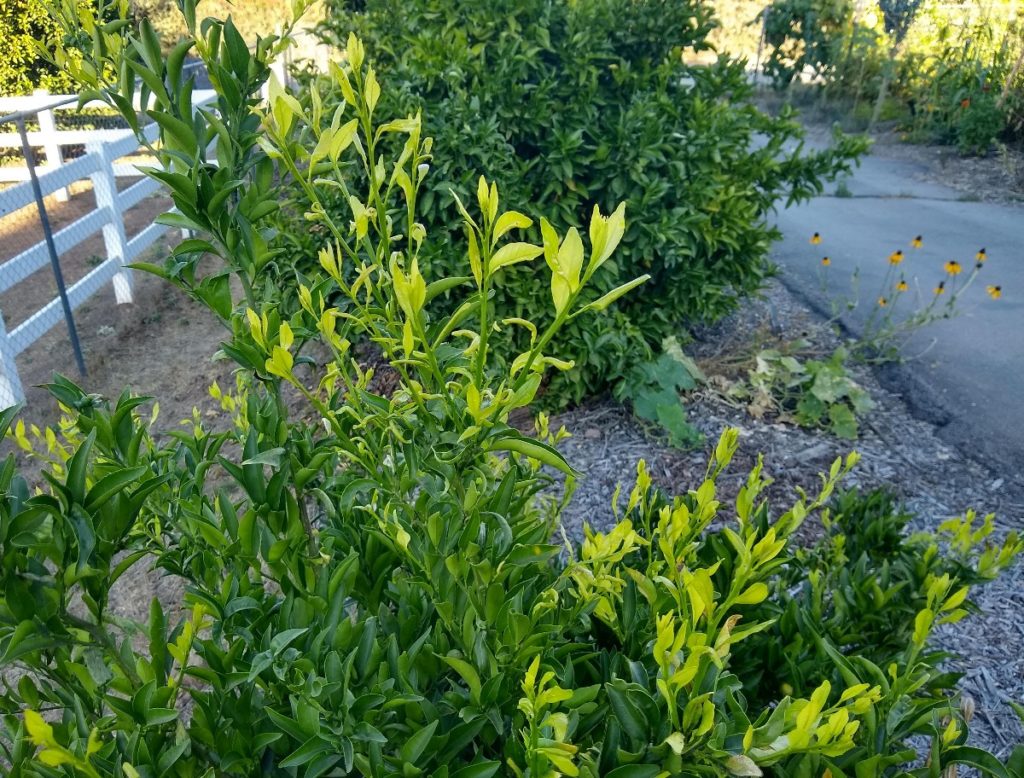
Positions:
(23, 23)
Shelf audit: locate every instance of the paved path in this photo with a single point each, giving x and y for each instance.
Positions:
(971, 381)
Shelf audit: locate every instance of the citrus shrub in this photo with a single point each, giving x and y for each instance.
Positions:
(374, 583)
(569, 105)
(861, 586)
(22, 68)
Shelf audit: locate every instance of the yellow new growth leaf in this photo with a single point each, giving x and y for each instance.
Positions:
(755, 594)
(513, 253)
(923, 626)
(408, 342)
(951, 732)
(560, 292)
(605, 234)
(280, 363)
(342, 80)
(483, 195)
(475, 265)
(343, 138)
(701, 592)
(402, 538)
(55, 757)
(355, 51)
(371, 90)
(603, 302)
(570, 258)
(510, 220)
(411, 289)
(330, 261)
(550, 244)
(257, 327)
(565, 264)
(286, 336)
(40, 732)
(360, 216)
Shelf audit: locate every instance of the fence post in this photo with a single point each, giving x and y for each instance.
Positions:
(279, 70)
(54, 157)
(11, 392)
(104, 187)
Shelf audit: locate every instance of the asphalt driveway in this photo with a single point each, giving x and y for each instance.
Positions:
(966, 374)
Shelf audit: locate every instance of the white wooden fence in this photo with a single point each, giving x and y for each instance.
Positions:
(49, 138)
(100, 164)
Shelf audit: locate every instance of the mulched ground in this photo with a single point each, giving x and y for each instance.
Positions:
(934, 480)
(997, 176)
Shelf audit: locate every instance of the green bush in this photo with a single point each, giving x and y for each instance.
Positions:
(958, 99)
(572, 105)
(947, 74)
(805, 35)
(23, 24)
(858, 590)
(255, 17)
(375, 585)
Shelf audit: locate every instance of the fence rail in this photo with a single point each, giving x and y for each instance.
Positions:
(100, 166)
(51, 139)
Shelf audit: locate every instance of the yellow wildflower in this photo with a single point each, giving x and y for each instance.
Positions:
(917, 242)
(815, 239)
(995, 292)
(896, 257)
(826, 261)
(981, 256)
(901, 286)
(941, 288)
(882, 302)
(953, 267)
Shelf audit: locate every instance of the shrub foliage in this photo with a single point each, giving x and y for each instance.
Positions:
(572, 105)
(23, 68)
(374, 583)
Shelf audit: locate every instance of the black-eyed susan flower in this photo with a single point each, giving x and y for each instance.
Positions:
(953, 267)
(896, 257)
(995, 292)
(917, 242)
(981, 256)
(882, 302)
(826, 261)
(941, 288)
(901, 286)
(815, 239)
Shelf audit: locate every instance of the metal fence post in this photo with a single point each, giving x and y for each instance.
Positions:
(104, 187)
(54, 157)
(51, 247)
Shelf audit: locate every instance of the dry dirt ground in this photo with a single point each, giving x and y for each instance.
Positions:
(162, 345)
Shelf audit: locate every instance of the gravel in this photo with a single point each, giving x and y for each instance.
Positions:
(897, 450)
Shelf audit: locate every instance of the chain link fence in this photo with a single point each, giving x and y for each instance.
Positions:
(74, 210)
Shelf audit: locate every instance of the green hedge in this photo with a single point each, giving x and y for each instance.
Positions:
(569, 105)
(23, 23)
